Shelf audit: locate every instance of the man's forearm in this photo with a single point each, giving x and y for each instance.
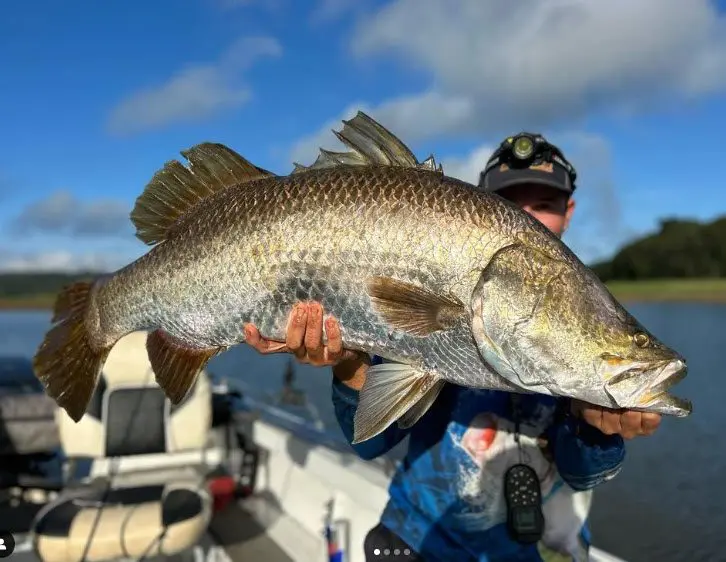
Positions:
(352, 372)
(584, 456)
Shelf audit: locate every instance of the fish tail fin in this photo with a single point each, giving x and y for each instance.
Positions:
(68, 360)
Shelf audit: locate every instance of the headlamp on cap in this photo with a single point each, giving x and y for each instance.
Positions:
(524, 150)
(523, 147)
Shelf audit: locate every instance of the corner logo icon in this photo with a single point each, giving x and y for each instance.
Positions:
(7, 544)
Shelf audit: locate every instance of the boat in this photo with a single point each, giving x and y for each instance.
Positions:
(217, 478)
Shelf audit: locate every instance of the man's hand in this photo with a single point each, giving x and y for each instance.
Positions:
(627, 423)
(304, 337)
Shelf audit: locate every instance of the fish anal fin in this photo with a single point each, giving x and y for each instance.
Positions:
(413, 309)
(175, 365)
(176, 188)
(390, 391)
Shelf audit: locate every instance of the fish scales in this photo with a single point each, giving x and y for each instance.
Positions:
(246, 255)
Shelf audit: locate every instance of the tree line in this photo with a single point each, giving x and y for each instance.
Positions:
(29, 284)
(679, 248)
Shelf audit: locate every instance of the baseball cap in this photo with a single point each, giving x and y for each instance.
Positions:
(527, 158)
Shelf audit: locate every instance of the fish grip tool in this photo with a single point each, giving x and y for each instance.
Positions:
(522, 493)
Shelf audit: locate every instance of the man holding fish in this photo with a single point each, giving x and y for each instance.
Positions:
(497, 335)
(429, 516)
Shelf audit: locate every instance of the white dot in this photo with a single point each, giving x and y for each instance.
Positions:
(386, 552)
(377, 551)
(396, 552)
(406, 551)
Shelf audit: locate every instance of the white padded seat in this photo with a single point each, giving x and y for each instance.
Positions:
(128, 513)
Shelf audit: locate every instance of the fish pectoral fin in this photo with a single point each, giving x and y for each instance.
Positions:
(393, 391)
(409, 419)
(414, 309)
(176, 188)
(175, 365)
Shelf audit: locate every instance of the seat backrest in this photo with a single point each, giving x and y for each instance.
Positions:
(130, 415)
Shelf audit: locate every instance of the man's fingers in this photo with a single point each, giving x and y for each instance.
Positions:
(649, 423)
(630, 422)
(263, 345)
(591, 414)
(314, 332)
(296, 326)
(335, 339)
(301, 354)
(252, 336)
(626, 423)
(603, 419)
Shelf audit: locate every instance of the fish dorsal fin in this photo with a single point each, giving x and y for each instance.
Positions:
(371, 144)
(177, 188)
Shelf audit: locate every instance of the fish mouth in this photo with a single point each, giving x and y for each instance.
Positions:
(670, 374)
(656, 396)
(653, 396)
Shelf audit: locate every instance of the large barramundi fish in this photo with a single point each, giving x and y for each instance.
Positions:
(452, 284)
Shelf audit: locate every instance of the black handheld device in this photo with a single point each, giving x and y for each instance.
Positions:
(523, 496)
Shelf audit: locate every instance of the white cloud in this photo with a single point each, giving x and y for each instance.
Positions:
(416, 118)
(598, 226)
(469, 167)
(63, 213)
(305, 151)
(195, 92)
(509, 65)
(61, 261)
(327, 11)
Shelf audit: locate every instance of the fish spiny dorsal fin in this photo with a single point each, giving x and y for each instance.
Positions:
(177, 188)
(371, 144)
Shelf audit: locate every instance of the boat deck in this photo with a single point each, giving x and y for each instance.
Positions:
(243, 538)
(237, 532)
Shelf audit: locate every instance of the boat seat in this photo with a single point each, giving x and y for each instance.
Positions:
(137, 506)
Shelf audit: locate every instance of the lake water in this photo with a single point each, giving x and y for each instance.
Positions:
(668, 503)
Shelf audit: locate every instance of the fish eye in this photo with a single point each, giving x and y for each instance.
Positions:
(641, 339)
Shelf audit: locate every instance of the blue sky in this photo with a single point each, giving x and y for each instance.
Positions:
(96, 96)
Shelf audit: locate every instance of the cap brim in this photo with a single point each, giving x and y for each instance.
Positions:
(497, 180)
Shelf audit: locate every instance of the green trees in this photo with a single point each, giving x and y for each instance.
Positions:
(680, 248)
(14, 285)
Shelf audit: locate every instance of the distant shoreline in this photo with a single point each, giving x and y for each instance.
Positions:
(661, 290)
(41, 302)
(671, 290)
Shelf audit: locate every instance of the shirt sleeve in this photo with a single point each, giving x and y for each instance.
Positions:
(585, 457)
(345, 402)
